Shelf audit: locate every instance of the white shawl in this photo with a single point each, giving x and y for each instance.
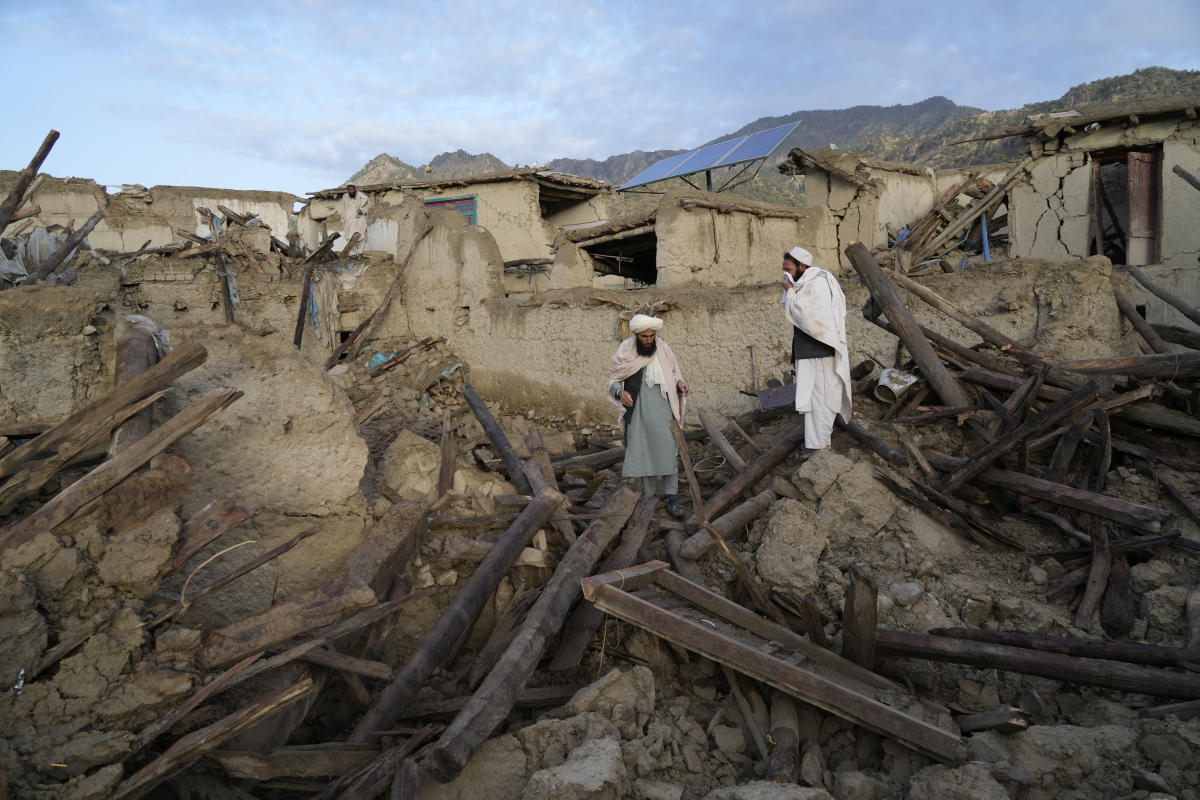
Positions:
(817, 306)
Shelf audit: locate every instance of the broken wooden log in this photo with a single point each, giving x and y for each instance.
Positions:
(582, 625)
(494, 698)
(191, 748)
(685, 457)
(220, 515)
(967, 217)
(1149, 414)
(1166, 365)
(906, 326)
(457, 618)
(449, 457)
(1038, 423)
(60, 255)
(305, 302)
(1138, 516)
(335, 599)
(1139, 323)
(1056, 666)
(1118, 610)
(1132, 652)
(496, 435)
(1177, 335)
(728, 524)
(182, 360)
(32, 476)
(719, 629)
(873, 443)
(1180, 305)
(1008, 719)
(713, 426)
(16, 195)
(684, 566)
(860, 618)
(1097, 580)
(107, 475)
(755, 471)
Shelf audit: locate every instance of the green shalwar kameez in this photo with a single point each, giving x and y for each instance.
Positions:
(649, 447)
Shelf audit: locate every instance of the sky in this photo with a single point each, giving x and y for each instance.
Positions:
(296, 96)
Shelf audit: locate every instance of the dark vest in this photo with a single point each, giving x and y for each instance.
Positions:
(805, 346)
(633, 385)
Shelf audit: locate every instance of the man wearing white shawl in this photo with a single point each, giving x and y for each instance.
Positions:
(645, 383)
(815, 306)
(354, 216)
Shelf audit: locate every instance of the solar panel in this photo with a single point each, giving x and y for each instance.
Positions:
(719, 154)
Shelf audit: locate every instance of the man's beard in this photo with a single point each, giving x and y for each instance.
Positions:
(646, 349)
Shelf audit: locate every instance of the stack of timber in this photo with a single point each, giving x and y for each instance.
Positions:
(1042, 440)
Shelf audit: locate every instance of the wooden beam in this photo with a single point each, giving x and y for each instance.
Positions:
(496, 435)
(25, 177)
(493, 700)
(860, 618)
(1038, 423)
(906, 326)
(1070, 669)
(458, 617)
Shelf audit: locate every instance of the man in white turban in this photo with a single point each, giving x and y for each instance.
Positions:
(815, 306)
(645, 383)
(354, 216)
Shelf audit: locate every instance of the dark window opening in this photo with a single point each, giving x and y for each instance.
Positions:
(1124, 205)
(464, 205)
(634, 258)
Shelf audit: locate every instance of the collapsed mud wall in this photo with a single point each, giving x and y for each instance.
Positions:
(137, 215)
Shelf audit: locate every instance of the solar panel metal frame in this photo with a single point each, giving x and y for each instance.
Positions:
(718, 154)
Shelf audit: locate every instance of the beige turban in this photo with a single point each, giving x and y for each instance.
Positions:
(641, 322)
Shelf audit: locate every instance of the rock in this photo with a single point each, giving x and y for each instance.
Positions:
(855, 785)
(137, 559)
(1152, 574)
(983, 747)
(495, 772)
(968, 782)
(593, 771)
(857, 505)
(548, 741)
(656, 790)
(631, 688)
(1068, 757)
(1149, 781)
(1166, 748)
(729, 740)
(792, 542)
(1165, 610)
(812, 766)
(923, 534)
(766, 790)
(409, 471)
(906, 592)
(976, 611)
(817, 474)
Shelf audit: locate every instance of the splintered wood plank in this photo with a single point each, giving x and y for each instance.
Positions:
(828, 683)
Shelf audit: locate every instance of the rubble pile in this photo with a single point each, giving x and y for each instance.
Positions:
(986, 589)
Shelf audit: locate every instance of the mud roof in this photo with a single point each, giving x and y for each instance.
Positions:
(1051, 123)
(557, 182)
(850, 167)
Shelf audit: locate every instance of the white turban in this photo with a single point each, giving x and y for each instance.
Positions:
(641, 322)
(801, 256)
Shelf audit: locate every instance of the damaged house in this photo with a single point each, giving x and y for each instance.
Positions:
(361, 530)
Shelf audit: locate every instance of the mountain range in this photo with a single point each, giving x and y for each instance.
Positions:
(931, 133)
